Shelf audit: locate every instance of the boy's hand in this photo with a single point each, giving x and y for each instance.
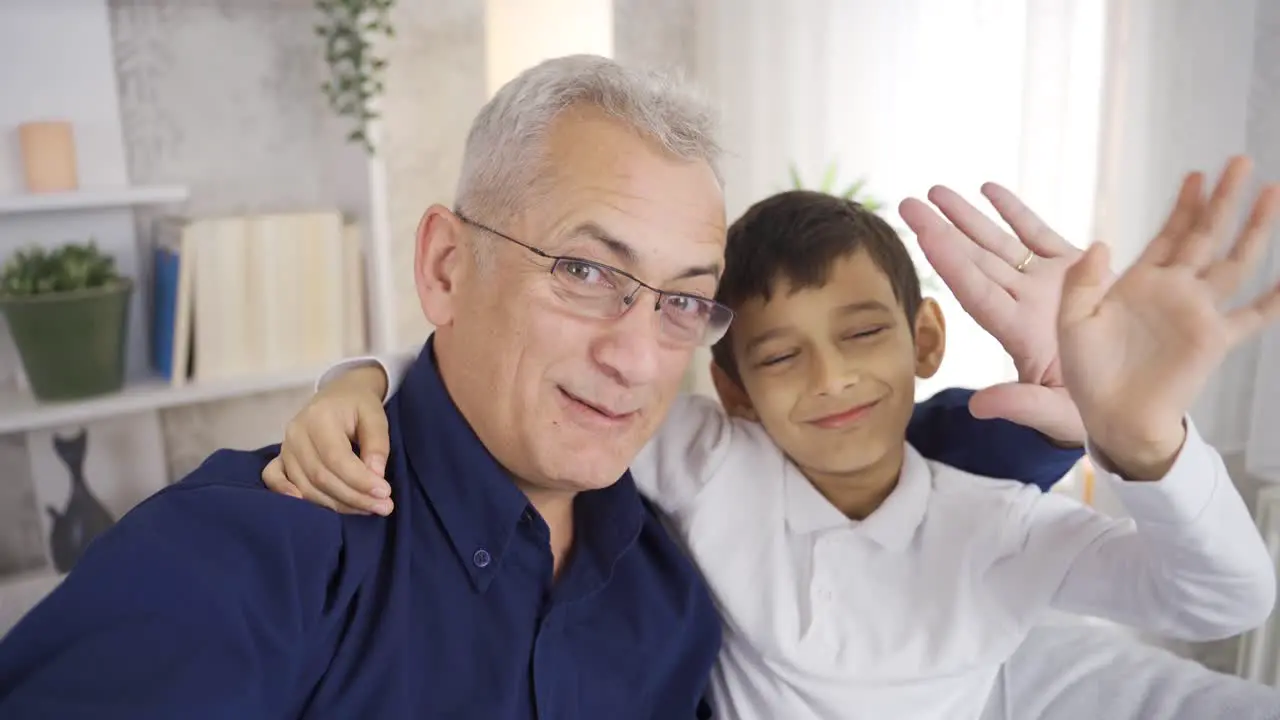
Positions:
(978, 261)
(1135, 353)
(316, 462)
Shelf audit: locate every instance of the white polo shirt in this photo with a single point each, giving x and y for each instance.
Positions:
(910, 612)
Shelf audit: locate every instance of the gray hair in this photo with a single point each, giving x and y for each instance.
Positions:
(504, 156)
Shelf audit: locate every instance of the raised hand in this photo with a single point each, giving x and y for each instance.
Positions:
(1136, 352)
(1011, 285)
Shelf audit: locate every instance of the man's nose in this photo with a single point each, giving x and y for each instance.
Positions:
(832, 374)
(630, 346)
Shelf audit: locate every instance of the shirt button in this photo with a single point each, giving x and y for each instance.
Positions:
(481, 558)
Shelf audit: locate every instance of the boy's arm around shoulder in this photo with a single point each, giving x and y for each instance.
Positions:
(943, 429)
(202, 602)
(1190, 564)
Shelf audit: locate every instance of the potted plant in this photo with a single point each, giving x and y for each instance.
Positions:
(68, 312)
(852, 192)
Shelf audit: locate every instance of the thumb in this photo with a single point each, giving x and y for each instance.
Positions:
(373, 437)
(1084, 285)
(274, 477)
(1047, 410)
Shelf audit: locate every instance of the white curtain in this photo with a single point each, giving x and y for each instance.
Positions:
(909, 94)
(1263, 440)
(1190, 83)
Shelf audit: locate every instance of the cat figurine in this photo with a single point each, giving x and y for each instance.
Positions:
(84, 517)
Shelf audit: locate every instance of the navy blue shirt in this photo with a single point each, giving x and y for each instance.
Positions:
(218, 599)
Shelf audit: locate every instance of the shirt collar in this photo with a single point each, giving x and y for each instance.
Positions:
(471, 493)
(892, 525)
(476, 501)
(607, 523)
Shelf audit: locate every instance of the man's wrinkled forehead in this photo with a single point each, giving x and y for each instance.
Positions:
(631, 199)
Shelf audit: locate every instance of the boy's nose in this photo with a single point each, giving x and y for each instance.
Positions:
(832, 376)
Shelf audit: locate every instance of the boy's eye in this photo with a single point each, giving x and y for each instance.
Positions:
(864, 334)
(776, 359)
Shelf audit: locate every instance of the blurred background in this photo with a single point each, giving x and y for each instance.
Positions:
(250, 174)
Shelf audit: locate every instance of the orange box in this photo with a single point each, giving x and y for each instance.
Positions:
(48, 156)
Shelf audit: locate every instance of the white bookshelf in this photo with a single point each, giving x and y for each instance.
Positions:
(20, 412)
(73, 78)
(91, 199)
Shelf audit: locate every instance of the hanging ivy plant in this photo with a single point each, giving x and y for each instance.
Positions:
(349, 29)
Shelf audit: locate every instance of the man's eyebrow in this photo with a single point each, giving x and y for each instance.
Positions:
(627, 256)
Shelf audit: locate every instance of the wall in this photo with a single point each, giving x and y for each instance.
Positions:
(658, 34)
(224, 97)
(434, 86)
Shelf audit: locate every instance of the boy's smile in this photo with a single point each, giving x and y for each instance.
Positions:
(844, 418)
(830, 372)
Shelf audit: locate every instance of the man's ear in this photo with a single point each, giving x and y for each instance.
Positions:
(734, 399)
(438, 263)
(931, 338)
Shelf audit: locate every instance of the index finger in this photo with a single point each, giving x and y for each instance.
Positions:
(973, 273)
(340, 459)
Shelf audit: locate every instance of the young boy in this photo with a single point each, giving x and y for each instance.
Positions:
(857, 579)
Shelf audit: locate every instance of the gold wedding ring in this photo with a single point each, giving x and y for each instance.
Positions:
(1031, 255)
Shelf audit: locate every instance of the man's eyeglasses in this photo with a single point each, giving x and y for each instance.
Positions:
(597, 290)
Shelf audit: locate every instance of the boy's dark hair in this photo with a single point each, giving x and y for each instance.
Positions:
(797, 236)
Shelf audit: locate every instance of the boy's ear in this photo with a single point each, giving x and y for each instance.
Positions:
(732, 396)
(931, 338)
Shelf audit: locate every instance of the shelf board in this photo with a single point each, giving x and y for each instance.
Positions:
(20, 412)
(91, 199)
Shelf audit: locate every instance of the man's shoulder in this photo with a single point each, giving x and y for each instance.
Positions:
(225, 497)
(231, 468)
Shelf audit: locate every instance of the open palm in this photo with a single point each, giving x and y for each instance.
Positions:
(1152, 338)
(1137, 352)
(978, 260)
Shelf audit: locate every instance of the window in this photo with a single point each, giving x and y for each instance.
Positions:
(911, 94)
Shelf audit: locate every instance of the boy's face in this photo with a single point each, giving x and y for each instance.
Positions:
(830, 371)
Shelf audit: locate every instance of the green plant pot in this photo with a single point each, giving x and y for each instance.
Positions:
(72, 344)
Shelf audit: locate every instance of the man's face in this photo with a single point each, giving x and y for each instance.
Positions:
(830, 371)
(563, 399)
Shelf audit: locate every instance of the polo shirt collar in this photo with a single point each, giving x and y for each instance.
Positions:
(478, 504)
(892, 525)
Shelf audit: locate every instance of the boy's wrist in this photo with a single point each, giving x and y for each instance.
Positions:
(1072, 445)
(1147, 459)
(366, 378)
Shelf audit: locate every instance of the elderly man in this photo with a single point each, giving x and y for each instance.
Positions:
(522, 575)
